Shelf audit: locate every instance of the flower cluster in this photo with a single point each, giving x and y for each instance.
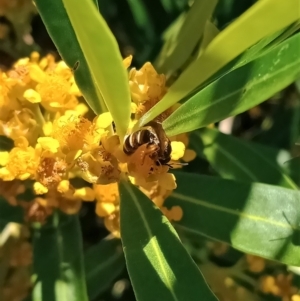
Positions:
(57, 141)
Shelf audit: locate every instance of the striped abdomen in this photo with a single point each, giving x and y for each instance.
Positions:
(136, 139)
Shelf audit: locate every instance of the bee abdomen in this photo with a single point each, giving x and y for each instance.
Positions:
(135, 140)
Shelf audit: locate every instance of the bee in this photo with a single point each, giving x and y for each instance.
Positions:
(157, 145)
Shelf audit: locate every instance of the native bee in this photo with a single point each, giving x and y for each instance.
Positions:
(157, 145)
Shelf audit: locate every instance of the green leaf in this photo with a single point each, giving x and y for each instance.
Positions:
(159, 267)
(236, 159)
(191, 31)
(6, 144)
(286, 33)
(255, 24)
(210, 32)
(239, 90)
(58, 260)
(255, 218)
(104, 59)
(103, 263)
(10, 213)
(62, 33)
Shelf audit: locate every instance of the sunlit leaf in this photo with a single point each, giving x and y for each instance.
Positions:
(187, 37)
(103, 57)
(210, 32)
(255, 24)
(239, 90)
(97, 52)
(159, 267)
(62, 33)
(255, 218)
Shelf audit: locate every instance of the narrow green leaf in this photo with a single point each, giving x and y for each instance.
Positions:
(236, 159)
(104, 59)
(171, 32)
(255, 24)
(187, 38)
(210, 32)
(6, 144)
(286, 33)
(159, 267)
(247, 56)
(10, 213)
(240, 89)
(58, 260)
(255, 218)
(103, 263)
(62, 33)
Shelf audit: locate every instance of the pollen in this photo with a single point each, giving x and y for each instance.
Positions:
(51, 171)
(70, 132)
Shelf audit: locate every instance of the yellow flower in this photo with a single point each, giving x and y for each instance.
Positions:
(178, 149)
(146, 84)
(295, 298)
(39, 188)
(21, 164)
(55, 94)
(51, 170)
(108, 198)
(280, 285)
(20, 123)
(147, 88)
(54, 142)
(85, 194)
(48, 143)
(256, 264)
(70, 131)
(174, 214)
